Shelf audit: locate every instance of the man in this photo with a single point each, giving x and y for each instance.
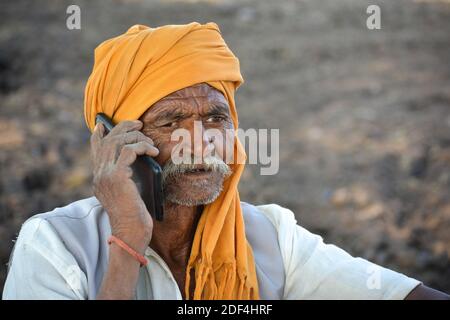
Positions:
(210, 244)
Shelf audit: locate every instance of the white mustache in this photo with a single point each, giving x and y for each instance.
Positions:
(210, 163)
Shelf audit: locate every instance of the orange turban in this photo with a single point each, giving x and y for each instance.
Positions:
(133, 71)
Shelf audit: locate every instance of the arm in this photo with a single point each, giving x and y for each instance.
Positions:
(315, 270)
(422, 292)
(122, 275)
(112, 156)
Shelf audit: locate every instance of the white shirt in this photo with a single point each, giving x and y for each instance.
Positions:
(43, 268)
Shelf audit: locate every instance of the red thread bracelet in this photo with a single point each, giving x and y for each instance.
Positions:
(139, 257)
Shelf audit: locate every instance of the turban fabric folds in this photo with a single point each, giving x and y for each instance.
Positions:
(136, 69)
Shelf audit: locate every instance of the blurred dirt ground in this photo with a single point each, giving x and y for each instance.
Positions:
(363, 115)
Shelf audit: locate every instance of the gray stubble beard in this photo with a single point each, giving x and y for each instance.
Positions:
(173, 172)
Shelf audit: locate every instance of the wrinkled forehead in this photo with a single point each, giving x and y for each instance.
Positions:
(199, 90)
(197, 93)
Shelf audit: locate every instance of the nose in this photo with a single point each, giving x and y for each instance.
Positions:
(202, 143)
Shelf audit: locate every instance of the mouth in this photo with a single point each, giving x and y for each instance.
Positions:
(198, 171)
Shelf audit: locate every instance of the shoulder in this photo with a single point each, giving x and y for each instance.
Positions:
(277, 214)
(269, 215)
(296, 244)
(80, 219)
(65, 243)
(79, 215)
(43, 250)
(80, 209)
(256, 222)
(272, 224)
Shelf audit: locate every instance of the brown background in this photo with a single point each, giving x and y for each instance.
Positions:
(363, 115)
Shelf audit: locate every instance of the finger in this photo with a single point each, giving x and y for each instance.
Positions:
(114, 144)
(126, 126)
(96, 154)
(130, 152)
(135, 137)
(97, 134)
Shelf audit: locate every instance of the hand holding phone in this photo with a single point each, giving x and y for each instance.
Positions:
(112, 157)
(147, 175)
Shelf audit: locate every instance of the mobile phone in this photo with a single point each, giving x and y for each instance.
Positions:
(147, 175)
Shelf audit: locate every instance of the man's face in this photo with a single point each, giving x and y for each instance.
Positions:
(198, 108)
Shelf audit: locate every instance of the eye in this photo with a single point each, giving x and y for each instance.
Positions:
(215, 119)
(170, 124)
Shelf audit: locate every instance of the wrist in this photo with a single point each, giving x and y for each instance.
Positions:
(121, 277)
(137, 242)
(122, 259)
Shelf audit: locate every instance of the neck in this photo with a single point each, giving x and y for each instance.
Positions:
(172, 238)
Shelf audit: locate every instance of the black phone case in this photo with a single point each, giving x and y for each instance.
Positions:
(147, 175)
